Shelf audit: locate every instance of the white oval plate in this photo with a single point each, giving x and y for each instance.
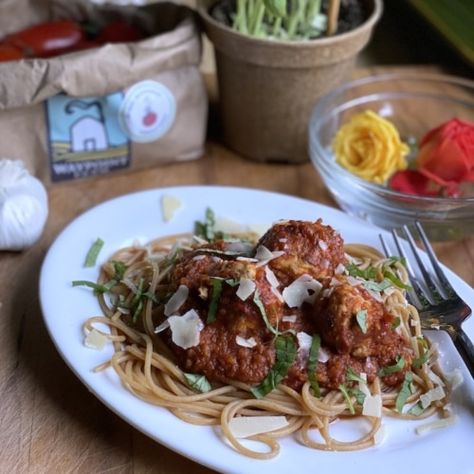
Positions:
(138, 216)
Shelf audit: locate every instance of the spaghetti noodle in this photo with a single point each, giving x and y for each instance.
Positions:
(132, 288)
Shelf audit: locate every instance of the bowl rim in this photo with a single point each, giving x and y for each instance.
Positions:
(318, 113)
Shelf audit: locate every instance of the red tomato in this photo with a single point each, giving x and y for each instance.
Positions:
(47, 39)
(119, 32)
(10, 53)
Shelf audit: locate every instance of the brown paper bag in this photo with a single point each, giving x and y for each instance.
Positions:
(116, 107)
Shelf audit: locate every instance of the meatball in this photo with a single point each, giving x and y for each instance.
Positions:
(379, 345)
(310, 248)
(336, 318)
(218, 355)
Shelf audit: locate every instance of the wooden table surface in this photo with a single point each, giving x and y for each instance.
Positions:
(50, 422)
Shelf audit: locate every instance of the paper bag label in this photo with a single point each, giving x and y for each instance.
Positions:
(85, 136)
(147, 112)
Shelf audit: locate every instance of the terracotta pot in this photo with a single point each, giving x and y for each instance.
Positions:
(267, 88)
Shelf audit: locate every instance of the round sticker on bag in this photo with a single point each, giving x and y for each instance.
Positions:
(147, 112)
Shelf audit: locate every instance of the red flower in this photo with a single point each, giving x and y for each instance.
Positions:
(414, 182)
(446, 153)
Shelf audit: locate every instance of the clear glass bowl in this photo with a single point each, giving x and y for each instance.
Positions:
(415, 103)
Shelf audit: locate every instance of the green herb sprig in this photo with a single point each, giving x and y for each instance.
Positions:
(286, 349)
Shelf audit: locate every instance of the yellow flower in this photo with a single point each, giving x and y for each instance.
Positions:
(370, 147)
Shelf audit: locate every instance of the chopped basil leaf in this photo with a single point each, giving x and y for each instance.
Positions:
(205, 229)
(417, 409)
(361, 317)
(391, 369)
(285, 349)
(136, 298)
(199, 383)
(313, 364)
(353, 376)
(215, 297)
(151, 297)
(358, 394)
(232, 282)
(423, 359)
(395, 280)
(393, 260)
(396, 322)
(374, 286)
(137, 311)
(404, 393)
(422, 341)
(119, 269)
(368, 273)
(263, 312)
(209, 224)
(97, 287)
(230, 253)
(93, 253)
(347, 397)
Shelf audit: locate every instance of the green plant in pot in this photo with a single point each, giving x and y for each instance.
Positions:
(274, 59)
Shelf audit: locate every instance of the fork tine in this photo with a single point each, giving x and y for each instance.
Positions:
(434, 261)
(386, 248)
(435, 296)
(415, 295)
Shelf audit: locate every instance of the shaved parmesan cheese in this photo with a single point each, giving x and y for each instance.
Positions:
(372, 406)
(432, 395)
(251, 342)
(390, 290)
(95, 340)
(435, 378)
(169, 205)
(199, 240)
(327, 292)
(322, 245)
(185, 329)
(238, 247)
(160, 328)
(304, 342)
(176, 300)
(323, 355)
(303, 289)
(363, 386)
(198, 257)
(246, 426)
(283, 240)
(203, 292)
(289, 319)
(264, 255)
(455, 379)
(228, 226)
(427, 427)
(277, 294)
(340, 269)
(334, 282)
(271, 278)
(353, 281)
(379, 435)
(247, 259)
(414, 323)
(246, 288)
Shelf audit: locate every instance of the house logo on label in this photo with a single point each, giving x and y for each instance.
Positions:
(88, 133)
(85, 137)
(147, 112)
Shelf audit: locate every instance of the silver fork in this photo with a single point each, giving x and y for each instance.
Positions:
(439, 305)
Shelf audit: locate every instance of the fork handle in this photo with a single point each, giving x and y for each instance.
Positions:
(465, 347)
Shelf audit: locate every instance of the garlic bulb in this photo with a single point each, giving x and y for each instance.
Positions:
(23, 206)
